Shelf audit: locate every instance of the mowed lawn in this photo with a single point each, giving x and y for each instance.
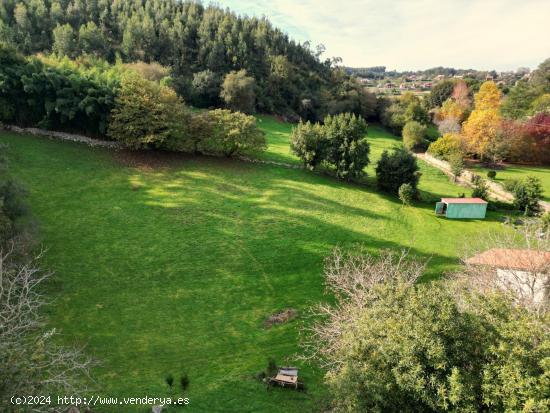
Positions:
(519, 172)
(172, 264)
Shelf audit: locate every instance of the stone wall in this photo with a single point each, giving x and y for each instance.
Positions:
(64, 136)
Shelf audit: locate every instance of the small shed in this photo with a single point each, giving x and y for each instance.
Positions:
(461, 208)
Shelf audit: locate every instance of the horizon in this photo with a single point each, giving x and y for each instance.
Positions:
(399, 36)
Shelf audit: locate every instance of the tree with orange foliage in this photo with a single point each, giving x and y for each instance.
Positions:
(461, 94)
(482, 128)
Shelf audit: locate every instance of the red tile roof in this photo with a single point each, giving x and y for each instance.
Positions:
(463, 201)
(519, 259)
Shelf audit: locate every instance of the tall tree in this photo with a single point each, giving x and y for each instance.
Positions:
(238, 91)
(482, 127)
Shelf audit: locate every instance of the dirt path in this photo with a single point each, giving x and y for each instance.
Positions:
(495, 190)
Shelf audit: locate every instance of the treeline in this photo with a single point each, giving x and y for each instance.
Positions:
(476, 119)
(379, 72)
(132, 104)
(57, 94)
(201, 45)
(491, 127)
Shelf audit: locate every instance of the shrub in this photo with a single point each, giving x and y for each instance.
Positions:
(347, 147)
(510, 184)
(184, 382)
(480, 188)
(538, 130)
(308, 142)
(238, 91)
(457, 165)
(527, 194)
(232, 133)
(146, 114)
(491, 174)
(545, 221)
(467, 351)
(406, 194)
(169, 380)
(446, 146)
(396, 168)
(414, 135)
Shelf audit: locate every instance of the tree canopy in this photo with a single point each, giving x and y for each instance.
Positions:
(186, 36)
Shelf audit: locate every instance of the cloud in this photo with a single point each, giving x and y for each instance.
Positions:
(416, 34)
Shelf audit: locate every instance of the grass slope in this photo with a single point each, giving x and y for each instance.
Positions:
(175, 268)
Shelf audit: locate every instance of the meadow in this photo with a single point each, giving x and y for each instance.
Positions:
(167, 264)
(511, 171)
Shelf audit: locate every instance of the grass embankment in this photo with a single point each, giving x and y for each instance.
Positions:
(172, 264)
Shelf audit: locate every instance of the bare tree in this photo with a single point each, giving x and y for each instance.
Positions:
(30, 362)
(514, 262)
(353, 278)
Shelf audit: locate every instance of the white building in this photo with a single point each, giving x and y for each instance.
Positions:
(524, 273)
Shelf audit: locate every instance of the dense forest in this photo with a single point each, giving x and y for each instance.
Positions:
(200, 45)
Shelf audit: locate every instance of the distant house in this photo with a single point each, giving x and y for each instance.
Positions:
(461, 208)
(523, 272)
(439, 77)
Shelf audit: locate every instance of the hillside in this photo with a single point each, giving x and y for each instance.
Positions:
(168, 263)
(200, 45)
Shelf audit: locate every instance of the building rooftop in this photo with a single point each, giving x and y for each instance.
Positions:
(463, 201)
(519, 259)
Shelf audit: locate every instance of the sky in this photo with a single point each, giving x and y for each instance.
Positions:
(415, 34)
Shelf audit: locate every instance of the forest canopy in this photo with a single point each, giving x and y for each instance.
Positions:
(201, 45)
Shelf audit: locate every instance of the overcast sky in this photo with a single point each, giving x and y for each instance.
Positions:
(415, 34)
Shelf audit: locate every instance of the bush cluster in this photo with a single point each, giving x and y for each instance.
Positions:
(414, 135)
(132, 104)
(57, 94)
(339, 143)
(527, 194)
(394, 114)
(446, 147)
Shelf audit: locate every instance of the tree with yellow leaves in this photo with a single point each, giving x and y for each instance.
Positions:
(488, 96)
(451, 110)
(482, 128)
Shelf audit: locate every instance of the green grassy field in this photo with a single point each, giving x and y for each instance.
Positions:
(170, 264)
(519, 172)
